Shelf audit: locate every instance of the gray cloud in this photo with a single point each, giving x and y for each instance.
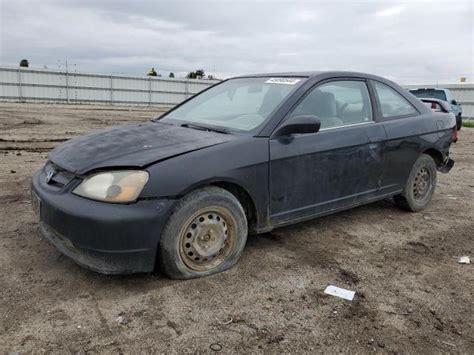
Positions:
(406, 41)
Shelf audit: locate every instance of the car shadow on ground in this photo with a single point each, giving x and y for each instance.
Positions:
(287, 234)
(292, 239)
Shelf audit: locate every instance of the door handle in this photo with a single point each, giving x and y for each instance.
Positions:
(374, 142)
(375, 139)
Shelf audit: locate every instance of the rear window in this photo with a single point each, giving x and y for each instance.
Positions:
(436, 94)
(392, 104)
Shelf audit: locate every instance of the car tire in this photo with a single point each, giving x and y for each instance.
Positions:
(459, 122)
(420, 185)
(205, 235)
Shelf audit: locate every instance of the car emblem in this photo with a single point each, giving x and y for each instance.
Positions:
(49, 176)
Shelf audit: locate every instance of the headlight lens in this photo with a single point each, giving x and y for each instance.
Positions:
(113, 186)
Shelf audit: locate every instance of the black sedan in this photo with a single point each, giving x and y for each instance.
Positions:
(182, 192)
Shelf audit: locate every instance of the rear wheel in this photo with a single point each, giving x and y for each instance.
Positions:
(420, 185)
(205, 235)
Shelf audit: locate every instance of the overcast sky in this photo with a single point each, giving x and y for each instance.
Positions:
(416, 41)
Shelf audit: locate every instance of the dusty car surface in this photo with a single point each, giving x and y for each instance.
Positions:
(437, 105)
(252, 153)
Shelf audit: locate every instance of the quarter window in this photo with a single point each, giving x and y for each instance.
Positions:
(337, 103)
(392, 104)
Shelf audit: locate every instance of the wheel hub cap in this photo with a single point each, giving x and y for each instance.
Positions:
(205, 238)
(422, 183)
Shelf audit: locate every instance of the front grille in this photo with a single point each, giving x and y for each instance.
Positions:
(55, 176)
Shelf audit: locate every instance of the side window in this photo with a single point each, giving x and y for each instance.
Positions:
(392, 104)
(337, 103)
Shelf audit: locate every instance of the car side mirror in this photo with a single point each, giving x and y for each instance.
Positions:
(454, 102)
(301, 124)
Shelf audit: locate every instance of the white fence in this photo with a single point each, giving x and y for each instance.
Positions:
(45, 85)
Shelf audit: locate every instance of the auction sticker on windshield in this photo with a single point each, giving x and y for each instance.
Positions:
(285, 81)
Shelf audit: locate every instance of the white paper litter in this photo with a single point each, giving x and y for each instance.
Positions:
(464, 260)
(340, 292)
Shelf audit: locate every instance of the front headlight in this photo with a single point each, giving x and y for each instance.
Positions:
(113, 186)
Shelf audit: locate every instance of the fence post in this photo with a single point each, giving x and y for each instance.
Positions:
(20, 93)
(186, 90)
(67, 83)
(111, 90)
(149, 91)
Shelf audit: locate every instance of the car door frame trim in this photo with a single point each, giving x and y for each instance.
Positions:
(312, 86)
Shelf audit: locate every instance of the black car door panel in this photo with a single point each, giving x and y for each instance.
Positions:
(404, 147)
(338, 166)
(310, 174)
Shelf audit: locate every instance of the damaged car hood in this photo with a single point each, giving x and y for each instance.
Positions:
(135, 145)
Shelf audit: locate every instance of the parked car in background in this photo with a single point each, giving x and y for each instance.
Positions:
(247, 155)
(444, 95)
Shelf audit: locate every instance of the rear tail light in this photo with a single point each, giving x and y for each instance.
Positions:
(455, 134)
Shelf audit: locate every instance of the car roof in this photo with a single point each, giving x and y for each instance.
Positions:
(428, 88)
(312, 74)
(306, 74)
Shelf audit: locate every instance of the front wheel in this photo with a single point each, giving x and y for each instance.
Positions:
(205, 235)
(420, 185)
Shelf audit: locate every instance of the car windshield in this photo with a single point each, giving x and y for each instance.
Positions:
(241, 104)
(436, 94)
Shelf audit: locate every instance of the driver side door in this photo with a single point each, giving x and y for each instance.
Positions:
(339, 166)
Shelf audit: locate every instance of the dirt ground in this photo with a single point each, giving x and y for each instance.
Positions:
(412, 294)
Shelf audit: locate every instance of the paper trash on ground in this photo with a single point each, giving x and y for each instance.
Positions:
(340, 292)
(464, 260)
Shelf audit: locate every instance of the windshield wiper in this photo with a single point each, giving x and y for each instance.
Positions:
(205, 128)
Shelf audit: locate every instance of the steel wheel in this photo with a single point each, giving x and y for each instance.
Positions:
(422, 183)
(207, 239)
(419, 186)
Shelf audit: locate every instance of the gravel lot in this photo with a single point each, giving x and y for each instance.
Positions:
(412, 295)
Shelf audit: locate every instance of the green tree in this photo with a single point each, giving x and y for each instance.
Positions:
(152, 72)
(24, 63)
(198, 74)
(171, 75)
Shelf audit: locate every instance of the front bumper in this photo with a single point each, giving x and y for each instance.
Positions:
(107, 238)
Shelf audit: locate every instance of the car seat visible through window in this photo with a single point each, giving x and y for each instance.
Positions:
(320, 104)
